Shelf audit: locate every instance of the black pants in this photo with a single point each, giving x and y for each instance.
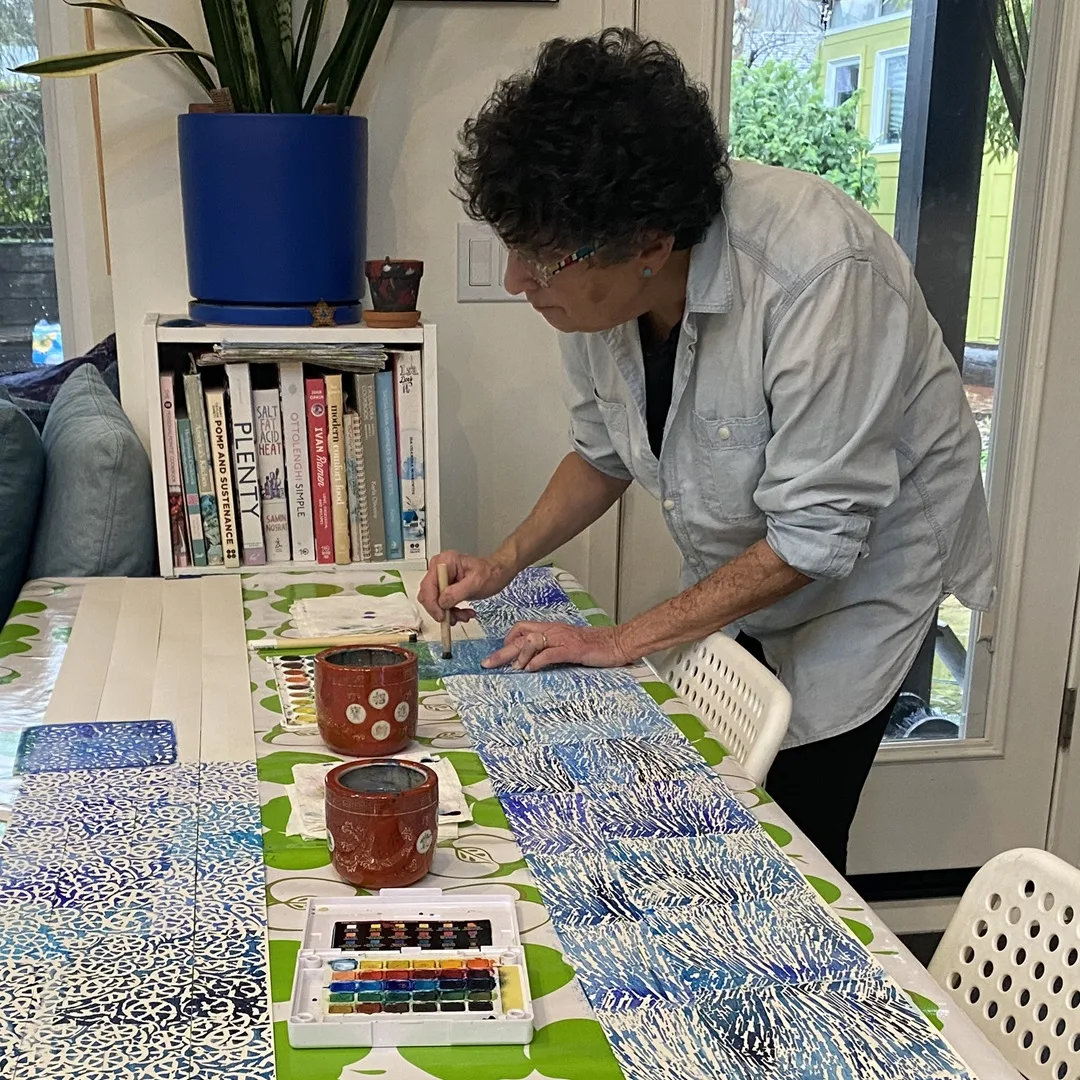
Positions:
(818, 785)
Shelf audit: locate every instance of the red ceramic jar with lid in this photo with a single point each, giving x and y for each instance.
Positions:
(382, 820)
(365, 699)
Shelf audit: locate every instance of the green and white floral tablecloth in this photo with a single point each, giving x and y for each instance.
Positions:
(569, 1044)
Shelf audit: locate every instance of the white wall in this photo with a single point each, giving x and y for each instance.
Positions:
(502, 424)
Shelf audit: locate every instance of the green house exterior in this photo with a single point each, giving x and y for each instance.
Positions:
(879, 46)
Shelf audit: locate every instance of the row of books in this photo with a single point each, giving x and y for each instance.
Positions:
(302, 467)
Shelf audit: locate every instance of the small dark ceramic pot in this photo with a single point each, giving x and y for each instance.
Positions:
(394, 283)
(365, 699)
(382, 820)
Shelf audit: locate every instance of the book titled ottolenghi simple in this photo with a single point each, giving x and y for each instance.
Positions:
(245, 465)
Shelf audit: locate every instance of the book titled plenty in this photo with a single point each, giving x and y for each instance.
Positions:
(246, 464)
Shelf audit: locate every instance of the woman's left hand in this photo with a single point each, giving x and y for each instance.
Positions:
(531, 646)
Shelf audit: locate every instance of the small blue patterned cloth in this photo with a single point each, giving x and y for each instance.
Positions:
(112, 745)
(468, 657)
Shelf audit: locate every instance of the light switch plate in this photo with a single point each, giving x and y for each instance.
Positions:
(481, 264)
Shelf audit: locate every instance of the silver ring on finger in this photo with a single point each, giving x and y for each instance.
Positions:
(543, 638)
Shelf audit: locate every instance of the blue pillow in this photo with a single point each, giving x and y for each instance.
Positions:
(22, 472)
(97, 513)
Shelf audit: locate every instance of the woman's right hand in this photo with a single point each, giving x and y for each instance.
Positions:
(471, 578)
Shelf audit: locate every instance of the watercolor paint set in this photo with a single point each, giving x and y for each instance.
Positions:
(295, 676)
(410, 967)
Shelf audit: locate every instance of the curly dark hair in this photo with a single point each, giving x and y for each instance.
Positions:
(606, 141)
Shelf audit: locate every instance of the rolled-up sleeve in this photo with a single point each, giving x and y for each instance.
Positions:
(589, 436)
(834, 377)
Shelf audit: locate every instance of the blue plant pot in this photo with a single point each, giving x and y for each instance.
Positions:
(275, 208)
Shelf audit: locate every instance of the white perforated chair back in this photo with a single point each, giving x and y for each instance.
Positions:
(744, 705)
(1011, 959)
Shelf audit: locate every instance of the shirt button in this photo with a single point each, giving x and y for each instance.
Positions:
(668, 504)
(724, 433)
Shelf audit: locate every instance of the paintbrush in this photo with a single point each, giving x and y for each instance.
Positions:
(444, 583)
(330, 642)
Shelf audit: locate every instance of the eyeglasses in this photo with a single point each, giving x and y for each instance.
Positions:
(543, 274)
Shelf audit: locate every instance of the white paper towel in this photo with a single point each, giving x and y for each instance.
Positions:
(307, 796)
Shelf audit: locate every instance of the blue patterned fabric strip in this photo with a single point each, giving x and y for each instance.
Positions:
(703, 951)
(133, 926)
(104, 745)
(533, 596)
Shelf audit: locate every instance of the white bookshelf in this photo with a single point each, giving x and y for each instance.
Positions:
(164, 343)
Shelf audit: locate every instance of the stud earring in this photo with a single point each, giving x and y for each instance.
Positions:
(647, 272)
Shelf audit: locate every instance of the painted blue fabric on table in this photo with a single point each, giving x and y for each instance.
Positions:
(99, 745)
(787, 939)
(137, 905)
(695, 806)
(533, 596)
(557, 707)
(467, 659)
(701, 948)
(690, 870)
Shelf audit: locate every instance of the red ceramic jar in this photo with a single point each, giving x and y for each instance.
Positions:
(365, 699)
(382, 820)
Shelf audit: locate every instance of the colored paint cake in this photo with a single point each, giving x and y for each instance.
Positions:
(453, 985)
(418, 934)
(295, 677)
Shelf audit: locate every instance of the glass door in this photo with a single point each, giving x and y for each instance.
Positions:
(910, 120)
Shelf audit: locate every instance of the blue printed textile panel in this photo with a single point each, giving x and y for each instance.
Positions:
(132, 912)
(703, 951)
(98, 745)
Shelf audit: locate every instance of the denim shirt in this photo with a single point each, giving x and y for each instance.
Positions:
(815, 406)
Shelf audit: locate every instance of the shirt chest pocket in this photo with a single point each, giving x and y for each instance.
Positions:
(730, 460)
(618, 428)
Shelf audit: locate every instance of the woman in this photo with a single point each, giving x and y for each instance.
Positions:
(748, 345)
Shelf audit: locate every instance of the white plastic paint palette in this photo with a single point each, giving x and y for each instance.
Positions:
(295, 677)
(385, 994)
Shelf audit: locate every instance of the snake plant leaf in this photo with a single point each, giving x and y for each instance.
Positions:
(91, 60)
(283, 11)
(348, 58)
(366, 40)
(248, 66)
(278, 71)
(306, 40)
(158, 34)
(224, 49)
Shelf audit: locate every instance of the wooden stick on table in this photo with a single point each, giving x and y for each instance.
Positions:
(330, 642)
(444, 583)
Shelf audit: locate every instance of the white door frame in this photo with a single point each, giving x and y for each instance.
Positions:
(1035, 500)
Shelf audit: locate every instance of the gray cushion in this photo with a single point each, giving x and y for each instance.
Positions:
(97, 513)
(22, 472)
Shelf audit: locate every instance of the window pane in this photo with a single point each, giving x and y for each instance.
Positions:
(27, 275)
(852, 12)
(895, 83)
(894, 7)
(846, 82)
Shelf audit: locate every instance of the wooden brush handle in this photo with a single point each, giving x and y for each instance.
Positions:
(443, 574)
